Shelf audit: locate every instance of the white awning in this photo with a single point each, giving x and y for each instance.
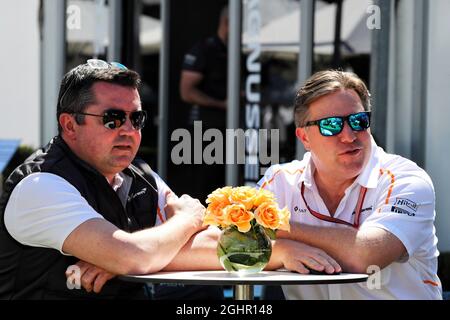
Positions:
(282, 34)
(279, 33)
(93, 29)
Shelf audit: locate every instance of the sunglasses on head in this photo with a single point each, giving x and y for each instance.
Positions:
(332, 126)
(113, 119)
(101, 64)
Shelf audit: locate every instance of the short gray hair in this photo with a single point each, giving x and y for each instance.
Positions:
(323, 83)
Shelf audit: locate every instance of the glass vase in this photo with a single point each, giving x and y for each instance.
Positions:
(244, 253)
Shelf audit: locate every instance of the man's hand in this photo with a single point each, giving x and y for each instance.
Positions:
(297, 256)
(185, 207)
(92, 277)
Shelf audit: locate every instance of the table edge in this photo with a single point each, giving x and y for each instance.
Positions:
(242, 281)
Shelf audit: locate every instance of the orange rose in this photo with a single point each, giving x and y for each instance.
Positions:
(215, 215)
(263, 196)
(285, 216)
(267, 215)
(237, 214)
(234, 206)
(217, 201)
(243, 195)
(220, 195)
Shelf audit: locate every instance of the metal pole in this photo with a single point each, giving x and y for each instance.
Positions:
(163, 140)
(233, 84)
(53, 57)
(115, 30)
(337, 35)
(306, 49)
(243, 292)
(379, 71)
(97, 43)
(419, 82)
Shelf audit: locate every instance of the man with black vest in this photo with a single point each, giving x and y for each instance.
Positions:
(84, 202)
(85, 197)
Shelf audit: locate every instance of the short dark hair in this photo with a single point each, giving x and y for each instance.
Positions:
(323, 83)
(75, 91)
(224, 12)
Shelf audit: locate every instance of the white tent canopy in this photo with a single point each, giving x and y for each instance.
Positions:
(150, 35)
(283, 34)
(279, 32)
(92, 30)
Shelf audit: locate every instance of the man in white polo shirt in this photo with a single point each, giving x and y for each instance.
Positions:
(369, 210)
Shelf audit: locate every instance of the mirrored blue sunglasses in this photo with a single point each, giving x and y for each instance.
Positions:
(332, 126)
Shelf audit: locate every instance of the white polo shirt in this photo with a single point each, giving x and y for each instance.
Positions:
(400, 199)
(45, 208)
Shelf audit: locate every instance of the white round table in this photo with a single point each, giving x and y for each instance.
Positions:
(243, 284)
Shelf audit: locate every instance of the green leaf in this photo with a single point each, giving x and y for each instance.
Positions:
(271, 233)
(226, 262)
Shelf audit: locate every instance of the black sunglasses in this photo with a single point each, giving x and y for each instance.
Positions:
(114, 118)
(332, 126)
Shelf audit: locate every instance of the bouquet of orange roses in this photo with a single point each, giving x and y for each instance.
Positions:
(249, 218)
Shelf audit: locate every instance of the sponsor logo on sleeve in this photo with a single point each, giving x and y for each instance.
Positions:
(189, 59)
(402, 211)
(402, 202)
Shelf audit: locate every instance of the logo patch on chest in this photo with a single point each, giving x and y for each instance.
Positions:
(137, 194)
(299, 210)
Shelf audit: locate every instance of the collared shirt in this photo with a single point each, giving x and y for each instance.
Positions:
(44, 208)
(399, 199)
(117, 181)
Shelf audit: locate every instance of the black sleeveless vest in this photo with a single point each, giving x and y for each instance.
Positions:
(39, 273)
